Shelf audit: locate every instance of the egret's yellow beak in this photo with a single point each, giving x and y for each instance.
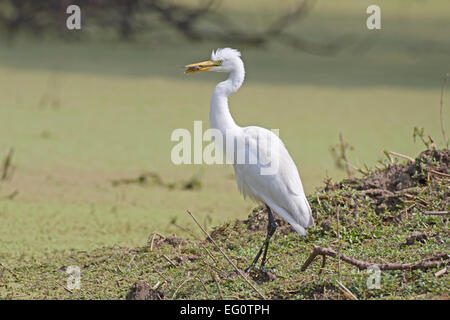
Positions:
(201, 66)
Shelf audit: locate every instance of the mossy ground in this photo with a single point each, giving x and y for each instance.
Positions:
(372, 226)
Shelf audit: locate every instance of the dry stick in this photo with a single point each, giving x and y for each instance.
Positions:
(209, 253)
(10, 271)
(437, 213)
(432, 262)
(170, 261)
(65, 288)
(1, 274)
(203, 284)
(226, 257)
(442, 107)
(176, 291)
(162, 276)
(339, 251)
(153, 235)
(356, 168)
(439, 173)
(151, 243)
(440, 272)
(396, 154)
(344, 155)
(188, 278)
(213, 276)
(132, 261)
(157, 285)
(211, 266)
(346, 291)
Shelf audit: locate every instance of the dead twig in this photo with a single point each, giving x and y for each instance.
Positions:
(1, 274)
(8, 269)
(64, 287)
(344, 146)
(226, 257)
(357, 169)
(162, 276)
(444, 83)
(213, 276)
(179, 287)
(324, 262)
(209, 253)
(170, 261)
(435, 261)
(440, 272)
(437, 213)
(203, 284)
(396, 154)
(346, 291)
(339, 251)
(439, 173)
(158, 285)
(153, 235)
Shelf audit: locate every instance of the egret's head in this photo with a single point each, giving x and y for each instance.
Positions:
(222, 60)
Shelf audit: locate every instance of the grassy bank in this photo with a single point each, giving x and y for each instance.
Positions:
(381, 219)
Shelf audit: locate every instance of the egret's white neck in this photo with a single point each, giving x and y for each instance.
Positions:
(220, 116)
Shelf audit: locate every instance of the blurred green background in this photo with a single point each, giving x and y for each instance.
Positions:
(88, 108)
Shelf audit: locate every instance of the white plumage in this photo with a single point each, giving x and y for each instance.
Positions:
(281, 191)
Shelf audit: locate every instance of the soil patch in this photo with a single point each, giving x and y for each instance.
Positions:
(143, 291)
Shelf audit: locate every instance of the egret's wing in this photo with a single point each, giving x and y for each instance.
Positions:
(287, 170)
(282, 190)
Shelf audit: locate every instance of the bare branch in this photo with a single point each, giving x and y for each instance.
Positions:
(435, 261)
(401, 155)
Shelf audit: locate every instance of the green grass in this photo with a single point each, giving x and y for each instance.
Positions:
(361, 231)
(119, 103)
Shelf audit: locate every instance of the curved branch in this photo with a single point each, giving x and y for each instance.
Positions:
(435, 261)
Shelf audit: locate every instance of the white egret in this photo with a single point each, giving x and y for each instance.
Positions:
(281, 191)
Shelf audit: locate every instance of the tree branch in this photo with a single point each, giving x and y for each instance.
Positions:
(435, 261)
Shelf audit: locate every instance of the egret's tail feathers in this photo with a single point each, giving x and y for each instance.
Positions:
(299, 229)
(311, 219)
(300, 220)
(303, 219)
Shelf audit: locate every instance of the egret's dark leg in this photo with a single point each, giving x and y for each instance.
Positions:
(271, 227)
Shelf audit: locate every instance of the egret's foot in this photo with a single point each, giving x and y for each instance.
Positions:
(261, 275)
(250, 268)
